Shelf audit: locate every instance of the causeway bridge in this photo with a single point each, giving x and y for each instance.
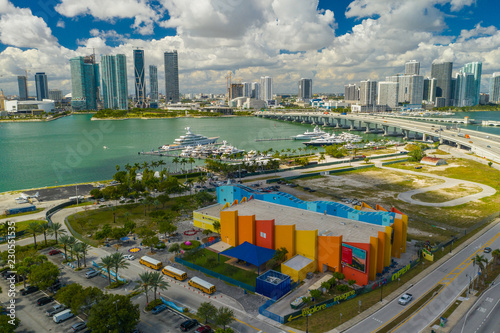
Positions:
(482, 144)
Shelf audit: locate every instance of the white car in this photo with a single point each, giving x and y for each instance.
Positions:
(405, 299)
(129, 257)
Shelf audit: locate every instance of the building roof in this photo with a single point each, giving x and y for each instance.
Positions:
(327, 225)
(298, 262)
(256, 255)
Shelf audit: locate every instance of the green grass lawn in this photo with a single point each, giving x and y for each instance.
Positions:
(447, 194)
(208, 259)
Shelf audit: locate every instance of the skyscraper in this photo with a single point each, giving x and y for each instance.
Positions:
(388, 94)
(56, 95)
(305, 89)
(368, 93)
(465, 90)
(108, 88)
(476, 69)
(236, 90)
(266, 84)
(171, 77)
(84, 86)
(247, 89)
(495, 88)
(442, 73)
(140, 84)
(411, 89)
(153, 86)
(255, 90)
(42, 89)
(121, 82)
(429, 93)
(351, 92)
(22, 82)
(412, 67)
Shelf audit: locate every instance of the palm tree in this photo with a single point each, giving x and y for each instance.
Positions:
(33, 228)
(496, 256)
(117, 168)
(84, 248)
(119, 261)
(107, 263)
(183, 162)
(157, 282)
(300, 150)
(65, 242)
(144, 283)
(175, 161)
(75, 248)
(44, 226)
(161, 163)
(191, 161)
(72, 240)
(145, 165)
(479, 260)
(56, 229)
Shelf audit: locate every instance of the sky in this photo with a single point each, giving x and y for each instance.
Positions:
(333, 42)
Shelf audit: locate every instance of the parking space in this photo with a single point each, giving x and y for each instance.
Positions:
(59, 193)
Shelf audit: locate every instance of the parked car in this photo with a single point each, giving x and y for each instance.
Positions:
(487, 249)
(29, 290)
(129, 257)
(159, 308)
(78, 327)
(188, 324)
(204, 329)
(55, 309)
(5, 274)
(54, 252)
(44, 300)
(91, 274)
(405, 299)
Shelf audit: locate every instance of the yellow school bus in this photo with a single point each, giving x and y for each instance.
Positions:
(202, 285)
(175, 273)
(150, 262)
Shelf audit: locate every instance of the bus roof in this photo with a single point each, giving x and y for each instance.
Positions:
(174, 270)
(202, 283)
(151, 260)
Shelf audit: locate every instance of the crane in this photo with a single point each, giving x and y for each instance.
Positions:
(228, 82)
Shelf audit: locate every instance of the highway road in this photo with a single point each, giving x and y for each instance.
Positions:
(483, 315)
(453, 275)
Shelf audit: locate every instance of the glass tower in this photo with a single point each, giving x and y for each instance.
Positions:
(476, 69)
(108, 88)
(22, 82)
(153, 86)
(42, 89)
(305, 89)
(84, 87)
(171, 77)
(442, 73)
(121, 81)
(140, 85)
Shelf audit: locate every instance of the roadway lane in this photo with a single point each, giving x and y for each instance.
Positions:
(452, 274)
(483, 315)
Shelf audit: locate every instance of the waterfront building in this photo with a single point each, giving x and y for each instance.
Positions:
(495, 88)
(153, 86)
(236, 90)
(388, 94)
(351, 93)
(484, 98)
(266, 84)
(56, 95)
(465, 89)
(368, 93)
(108, 88)
(474, 68)
(121, 82)
(429, 93)
(42, 88)
(412, 67)
(139, 78)
(22, 82)
(305, 89)
(247, 89)
(442, 73)
(29, 107)
(84, 83)
(255, 90)
(171, 77)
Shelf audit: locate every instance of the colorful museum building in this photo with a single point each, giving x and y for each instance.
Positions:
(319, 235)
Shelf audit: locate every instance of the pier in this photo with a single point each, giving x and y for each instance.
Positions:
(273, 139)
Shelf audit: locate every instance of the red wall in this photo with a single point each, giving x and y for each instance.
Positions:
(353, 274)
(264, 233)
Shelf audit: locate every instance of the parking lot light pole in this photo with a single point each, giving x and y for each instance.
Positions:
(381, 289)
(307, 322)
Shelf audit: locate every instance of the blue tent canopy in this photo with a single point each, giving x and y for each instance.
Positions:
(250, 253)
(123, 239)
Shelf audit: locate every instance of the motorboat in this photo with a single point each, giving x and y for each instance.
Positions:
(190, 139)
(317, 132)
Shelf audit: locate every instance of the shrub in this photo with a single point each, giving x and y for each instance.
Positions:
(152, 304)
(342, 288)
(116, 284)
(194, 244)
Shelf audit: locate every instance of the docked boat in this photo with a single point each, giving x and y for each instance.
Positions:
(190, 139)
(316, 133)
(328, 140)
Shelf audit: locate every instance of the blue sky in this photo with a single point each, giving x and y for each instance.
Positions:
(333, 42)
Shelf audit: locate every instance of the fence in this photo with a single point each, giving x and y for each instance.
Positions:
(263, 311)
(55, 209)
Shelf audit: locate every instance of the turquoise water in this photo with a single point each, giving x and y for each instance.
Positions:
(70, 150)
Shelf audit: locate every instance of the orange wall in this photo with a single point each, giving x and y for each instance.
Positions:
(246, 229)
(284, 236)
(350, 273)
(405, 232)
(398, 235)
(388, 246)
(329, 252)
(229, 227)
(264, 233)
(372, 263)
(380, 251)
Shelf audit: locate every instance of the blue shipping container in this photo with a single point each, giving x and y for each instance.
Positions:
(18, 210)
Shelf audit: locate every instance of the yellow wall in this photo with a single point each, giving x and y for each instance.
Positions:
(388, 246)
(204, 221)
(284, 236)
(381, 251)
(306, 243)
(372, 269)
(398, 235)
(300, 274)
(229, 227)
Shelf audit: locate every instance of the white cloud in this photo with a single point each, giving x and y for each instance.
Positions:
(61, 24)
(108, 10)
(478, 31)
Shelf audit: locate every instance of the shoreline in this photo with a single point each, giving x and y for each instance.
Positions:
(176, 117)
(30, 120)
(10, 192)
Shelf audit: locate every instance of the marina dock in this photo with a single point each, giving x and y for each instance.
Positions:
(273, 139)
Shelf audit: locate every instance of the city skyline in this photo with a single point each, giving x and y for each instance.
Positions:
(348, 41)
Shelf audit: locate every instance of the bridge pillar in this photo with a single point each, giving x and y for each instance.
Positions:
(368, 127)
(424, 137)
(406, 134)
(386, 129)
(352, 124)
(339, 122)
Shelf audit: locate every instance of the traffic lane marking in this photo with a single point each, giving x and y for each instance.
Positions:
(240, 321)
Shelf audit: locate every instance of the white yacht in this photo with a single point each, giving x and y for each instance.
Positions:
(190, 139)
(328, 140)
(317, 132)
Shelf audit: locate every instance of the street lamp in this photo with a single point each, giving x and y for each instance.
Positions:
(381, 289)
(307, 322)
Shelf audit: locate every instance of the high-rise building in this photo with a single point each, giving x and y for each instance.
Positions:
(465, 89)
(108, 87)
(22, 82)
(368, 93)
(266, 84)
(305, 89)
(42, 88)
(140, 83)
(412, 67)
(476, 69)
(121, 82)
(442, 73)
(56, 95)
(351, 92)
(495, 88)
(410, 89)
(84, 86)
(255, 90)
(388, 94)
(236, 90)
(171, 77)
(247, 89)
(153, 86)
(429, 93)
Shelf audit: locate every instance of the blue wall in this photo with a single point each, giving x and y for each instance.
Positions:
(229, 193)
